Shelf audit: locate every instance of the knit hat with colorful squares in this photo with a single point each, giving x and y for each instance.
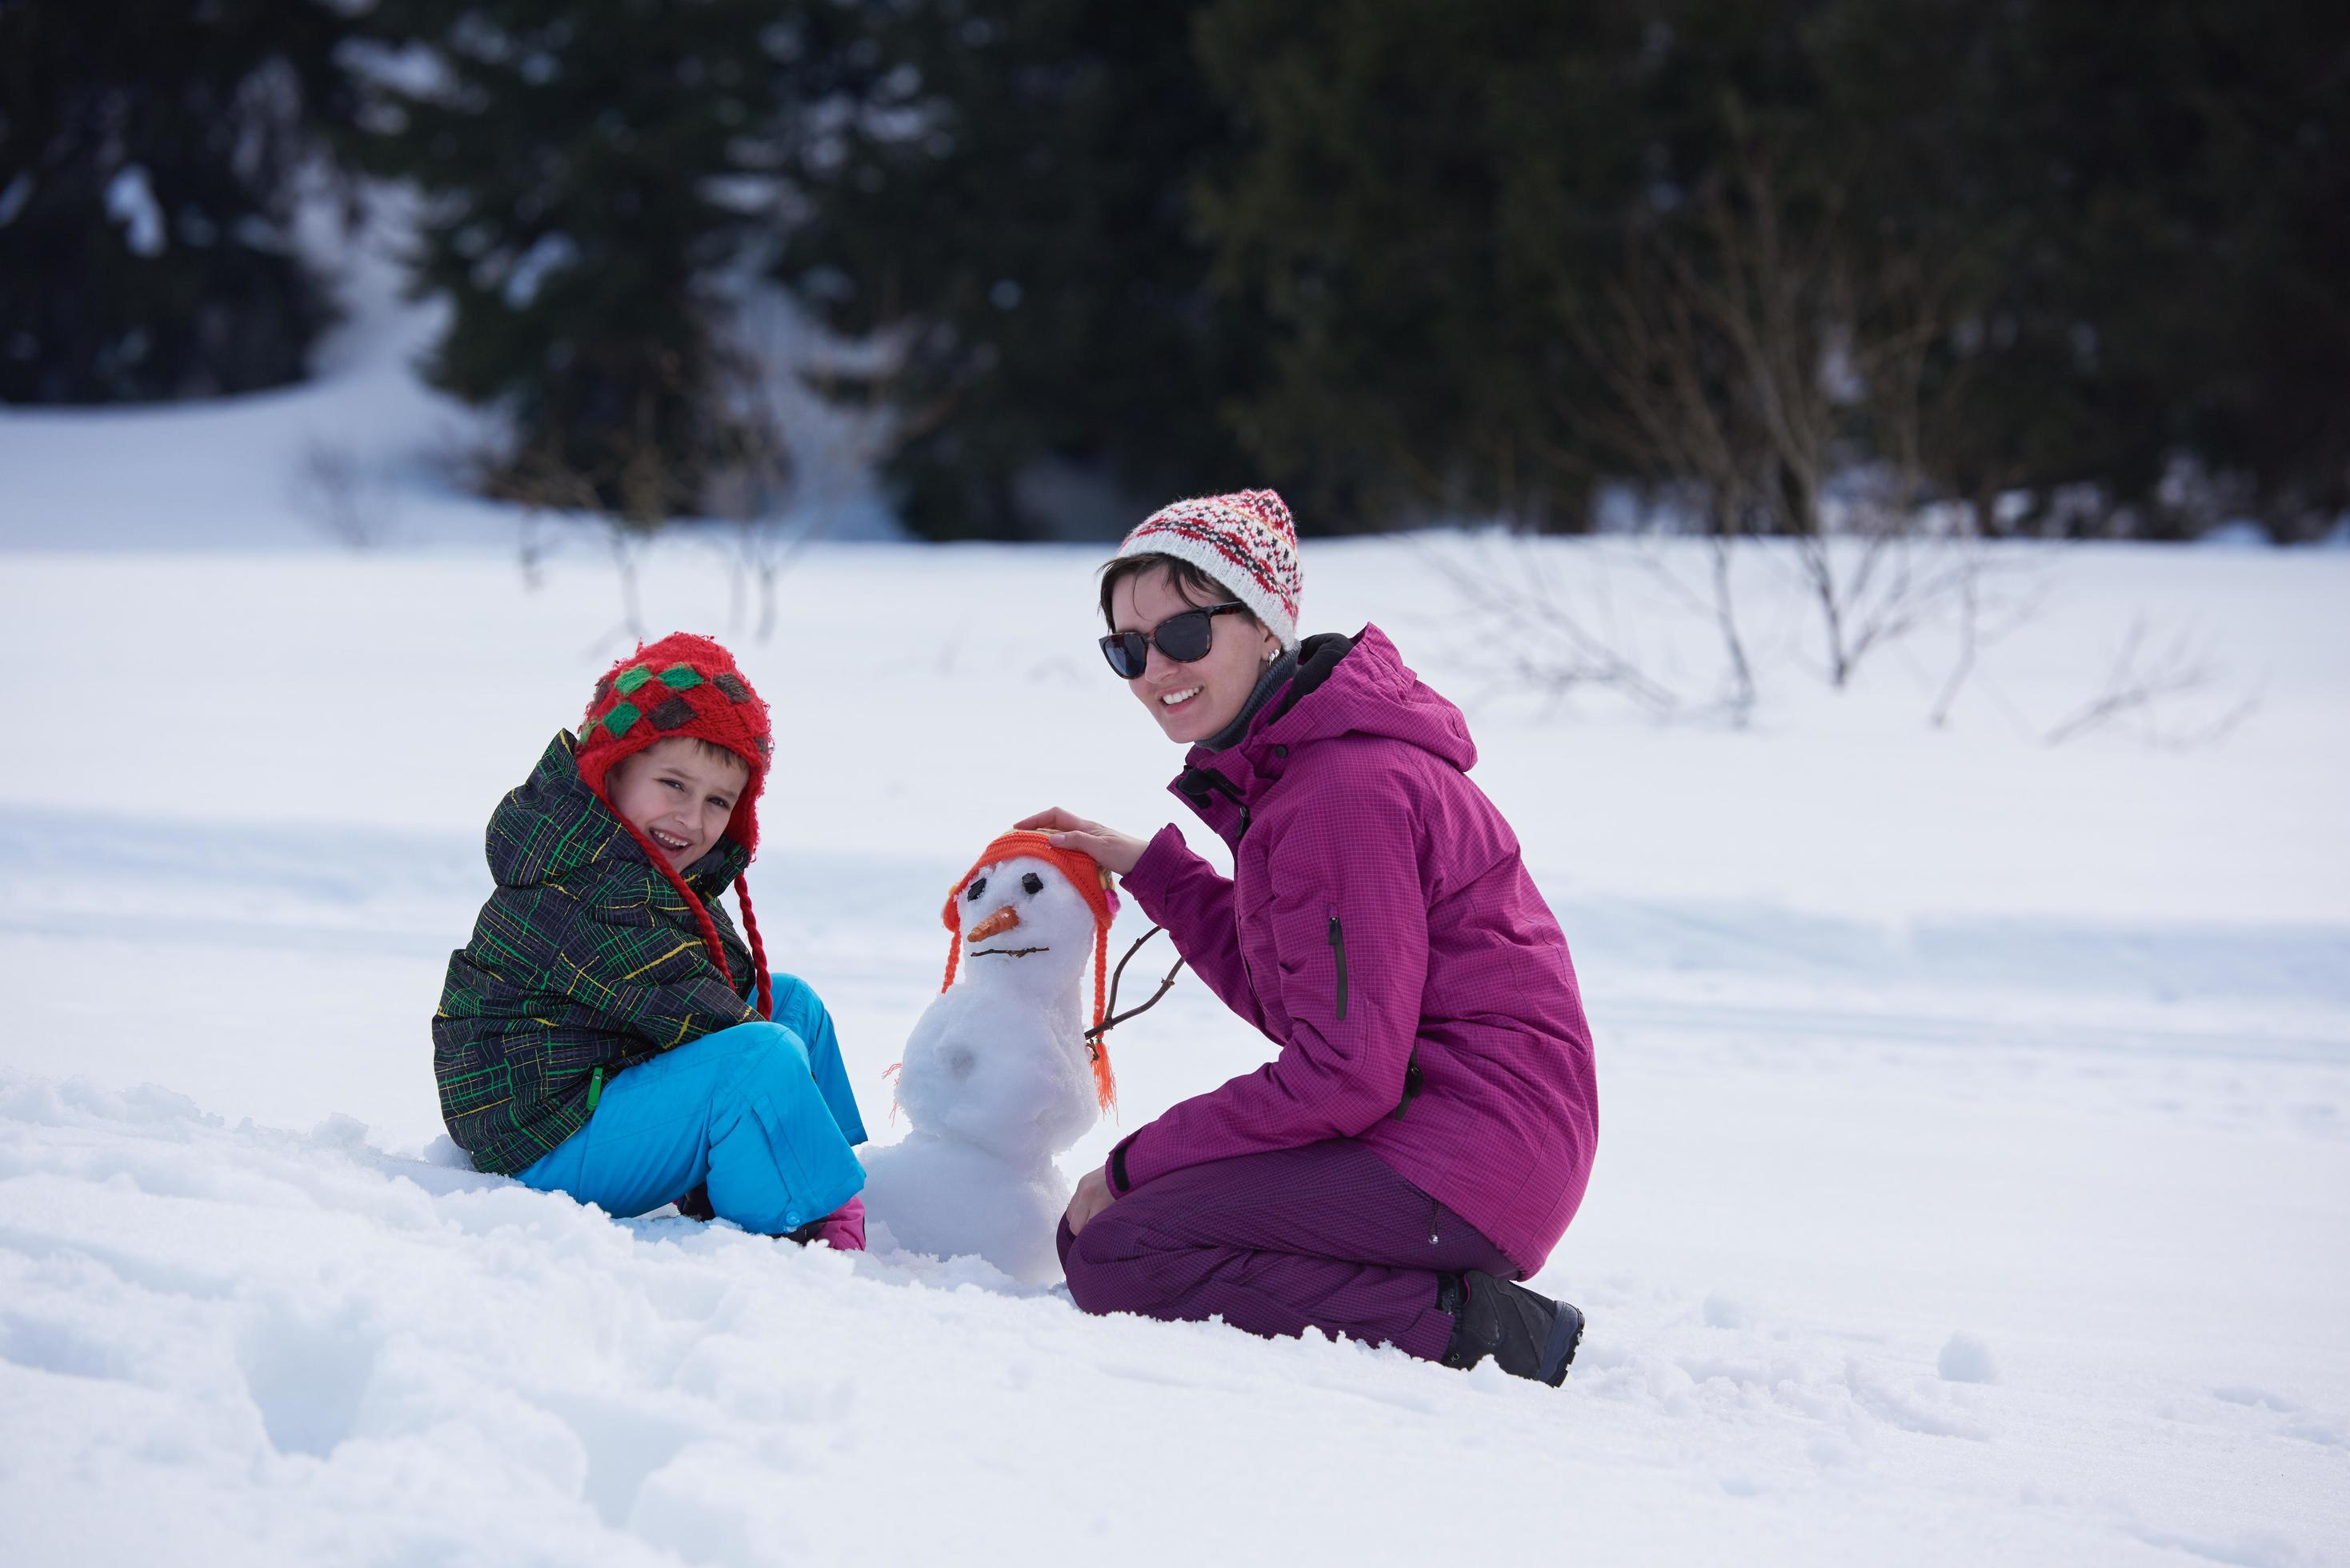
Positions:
(687, 686)
(1245, 541)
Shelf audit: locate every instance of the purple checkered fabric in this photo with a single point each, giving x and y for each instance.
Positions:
(1380, 926)
(1325, 1236)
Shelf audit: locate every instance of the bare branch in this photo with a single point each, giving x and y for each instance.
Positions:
(332, 488)
(2144, 684)
(816, 414)
(1539, 635)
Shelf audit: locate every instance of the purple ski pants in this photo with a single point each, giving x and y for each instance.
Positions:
(1324, 1236)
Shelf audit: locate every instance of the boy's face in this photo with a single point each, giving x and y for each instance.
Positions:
(678, 793)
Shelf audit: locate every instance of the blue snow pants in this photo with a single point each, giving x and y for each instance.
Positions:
(760, 1112)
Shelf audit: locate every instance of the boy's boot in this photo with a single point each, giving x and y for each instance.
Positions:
(1527, 1335)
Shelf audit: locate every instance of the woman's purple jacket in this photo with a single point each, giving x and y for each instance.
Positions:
(1380, 926)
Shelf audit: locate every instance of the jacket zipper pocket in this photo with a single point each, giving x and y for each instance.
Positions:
(1410, 1088)
(1338, 957)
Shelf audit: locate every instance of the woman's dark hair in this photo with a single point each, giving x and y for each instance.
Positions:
(1192, 585)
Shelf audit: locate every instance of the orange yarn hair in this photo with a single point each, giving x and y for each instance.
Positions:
(1086, 875)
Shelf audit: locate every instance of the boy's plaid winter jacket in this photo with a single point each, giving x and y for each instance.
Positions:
(584, 957)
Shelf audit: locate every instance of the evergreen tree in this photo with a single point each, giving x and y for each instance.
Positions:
(1368, 251)
(148, 156)
(1015, 177)
(2184, 170)
(591, 173)
(2117, 234)
(1426, 189)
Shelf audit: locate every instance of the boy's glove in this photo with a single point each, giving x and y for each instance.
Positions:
(843, 1230)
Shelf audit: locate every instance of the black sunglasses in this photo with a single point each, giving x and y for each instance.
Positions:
(1181, 638)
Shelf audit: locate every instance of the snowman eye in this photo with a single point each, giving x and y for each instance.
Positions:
(976, 889)
(1034, 883)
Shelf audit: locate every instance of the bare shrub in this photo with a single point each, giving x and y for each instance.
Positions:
(1548, 623)
(649, 489)
(2146, 688)
(332, 488)
(1991, 599)
(812, 416)
(1771, 365)
(1536, 632)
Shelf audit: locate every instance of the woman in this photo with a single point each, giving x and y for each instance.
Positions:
(1424, 1135)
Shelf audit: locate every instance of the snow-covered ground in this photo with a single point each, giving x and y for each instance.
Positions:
(1974, 1177)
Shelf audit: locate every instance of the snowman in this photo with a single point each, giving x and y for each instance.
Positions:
(998, 1075)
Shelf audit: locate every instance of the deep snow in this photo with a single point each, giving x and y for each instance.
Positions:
(1974, 1174)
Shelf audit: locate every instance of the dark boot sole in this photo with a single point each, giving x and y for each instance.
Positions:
(1565, 1337)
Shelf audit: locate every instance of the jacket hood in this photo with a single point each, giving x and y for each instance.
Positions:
(1361, 686)
(554, 827)
(1356, 685)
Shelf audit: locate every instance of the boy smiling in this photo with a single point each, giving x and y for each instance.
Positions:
(681, 794)
(607, 1032)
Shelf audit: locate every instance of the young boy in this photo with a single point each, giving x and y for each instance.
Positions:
(607, 1032)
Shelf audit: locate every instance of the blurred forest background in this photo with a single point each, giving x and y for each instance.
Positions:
(2023, 267)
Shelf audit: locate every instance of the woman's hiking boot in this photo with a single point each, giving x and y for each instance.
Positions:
(1527, 1335)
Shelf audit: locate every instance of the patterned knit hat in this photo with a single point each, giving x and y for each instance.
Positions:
(684, 685)
(1092, 883)
(1245, 541)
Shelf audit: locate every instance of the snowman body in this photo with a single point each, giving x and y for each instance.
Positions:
(997, 1079)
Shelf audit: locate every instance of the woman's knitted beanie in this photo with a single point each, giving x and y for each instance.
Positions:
(1092, 883)
(686, 686)
(1246, 541)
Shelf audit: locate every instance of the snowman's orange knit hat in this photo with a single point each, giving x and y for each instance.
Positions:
(685, 685)
(1086, 875)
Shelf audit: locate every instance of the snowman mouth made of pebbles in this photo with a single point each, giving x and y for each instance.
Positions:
(998, 1074)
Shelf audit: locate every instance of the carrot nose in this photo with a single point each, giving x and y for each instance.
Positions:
(995, 925)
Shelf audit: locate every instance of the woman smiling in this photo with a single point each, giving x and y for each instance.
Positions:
(1426, 1130)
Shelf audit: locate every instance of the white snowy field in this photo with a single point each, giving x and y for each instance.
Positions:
(1974, 1176)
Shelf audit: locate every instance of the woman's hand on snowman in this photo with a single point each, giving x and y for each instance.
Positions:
(1093, 1195)
(1112, 850)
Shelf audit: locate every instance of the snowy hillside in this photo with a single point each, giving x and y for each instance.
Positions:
(1974, 1176)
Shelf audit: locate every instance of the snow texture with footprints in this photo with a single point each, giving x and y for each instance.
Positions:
(1974, 1174)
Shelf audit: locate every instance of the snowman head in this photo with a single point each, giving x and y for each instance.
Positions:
(1022, 921)
(1020, 1093)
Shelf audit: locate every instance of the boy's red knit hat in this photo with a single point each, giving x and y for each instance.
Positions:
(1086, 875)
(685, 686)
